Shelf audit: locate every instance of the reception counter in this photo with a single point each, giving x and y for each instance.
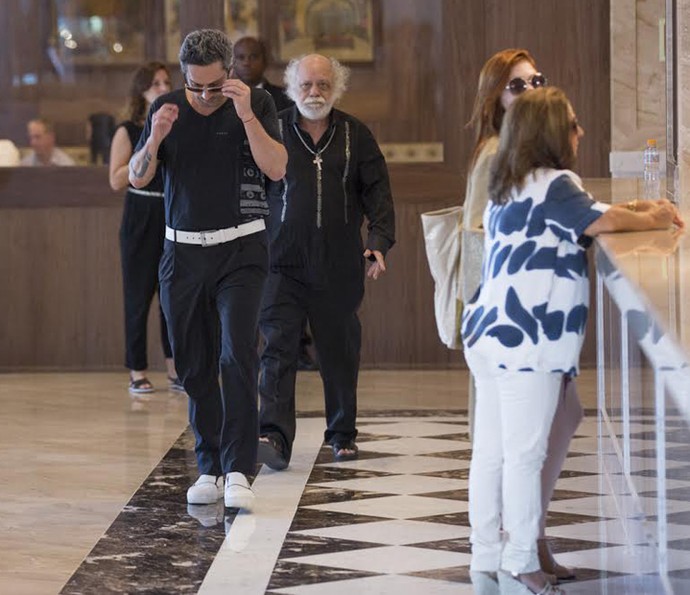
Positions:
(61, 294)
(643, 378)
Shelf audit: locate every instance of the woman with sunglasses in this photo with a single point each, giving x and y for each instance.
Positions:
(503, 78)
(142, 231)
(523, 330)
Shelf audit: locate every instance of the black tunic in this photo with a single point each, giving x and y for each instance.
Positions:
(314, 239)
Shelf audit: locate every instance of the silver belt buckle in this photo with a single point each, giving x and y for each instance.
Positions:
(204, 241)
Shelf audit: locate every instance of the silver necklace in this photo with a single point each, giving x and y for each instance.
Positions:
(319, 172)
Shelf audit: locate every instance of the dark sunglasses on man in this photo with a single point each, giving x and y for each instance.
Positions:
(519, 85)
(198, 90)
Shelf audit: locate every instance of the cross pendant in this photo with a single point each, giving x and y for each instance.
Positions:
(318, 161)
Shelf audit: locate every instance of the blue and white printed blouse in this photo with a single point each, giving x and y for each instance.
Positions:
(530, 311)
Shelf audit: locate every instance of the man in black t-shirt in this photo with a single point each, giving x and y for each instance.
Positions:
(215, 141)
(336, 177)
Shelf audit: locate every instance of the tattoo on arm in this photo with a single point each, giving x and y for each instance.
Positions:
(143, 165)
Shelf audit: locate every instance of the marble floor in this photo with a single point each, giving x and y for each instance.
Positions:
(93, 498)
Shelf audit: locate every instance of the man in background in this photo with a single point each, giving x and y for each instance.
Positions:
(42, 141)
(250, 60)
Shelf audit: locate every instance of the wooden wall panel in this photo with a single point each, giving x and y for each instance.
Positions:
(421, 86)
(58, 229)
(570, 41)
(208, 14)
(154, 40)
(398, 323)
(64, 306)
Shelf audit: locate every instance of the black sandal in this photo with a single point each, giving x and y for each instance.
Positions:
(141, 387)
(271, 453)
(345, 445)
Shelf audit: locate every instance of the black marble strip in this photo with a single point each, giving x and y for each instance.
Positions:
(158, 543)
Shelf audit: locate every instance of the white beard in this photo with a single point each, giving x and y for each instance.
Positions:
(315, 111)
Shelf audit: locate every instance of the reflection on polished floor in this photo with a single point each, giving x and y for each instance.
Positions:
(92, 497)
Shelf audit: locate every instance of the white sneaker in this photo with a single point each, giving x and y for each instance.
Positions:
(238, 494)
(206, 490)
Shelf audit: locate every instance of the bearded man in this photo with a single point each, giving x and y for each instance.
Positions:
(336, 176)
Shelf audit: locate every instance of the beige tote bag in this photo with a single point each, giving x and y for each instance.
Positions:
(442, 242)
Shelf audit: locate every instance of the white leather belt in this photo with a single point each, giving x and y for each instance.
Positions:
(214, 236)
(144, 192)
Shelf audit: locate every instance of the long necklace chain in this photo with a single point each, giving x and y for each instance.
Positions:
(317, 162)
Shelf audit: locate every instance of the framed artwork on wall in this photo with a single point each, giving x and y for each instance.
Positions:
(343, 29)
(241, 19)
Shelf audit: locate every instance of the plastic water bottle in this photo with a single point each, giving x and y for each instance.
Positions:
(652, 180)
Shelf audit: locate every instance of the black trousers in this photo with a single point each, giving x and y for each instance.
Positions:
(332, 315)
(141, 244)
(211, 297)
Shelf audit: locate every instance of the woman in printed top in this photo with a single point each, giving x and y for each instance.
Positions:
(142, 231)
(524, 328)
(503, 78)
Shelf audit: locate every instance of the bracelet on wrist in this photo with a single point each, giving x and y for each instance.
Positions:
(249, 120)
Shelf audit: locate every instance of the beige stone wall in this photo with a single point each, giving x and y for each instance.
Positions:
(683, 95)
(638, 77)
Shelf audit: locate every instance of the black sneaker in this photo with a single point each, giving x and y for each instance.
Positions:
(175, 385)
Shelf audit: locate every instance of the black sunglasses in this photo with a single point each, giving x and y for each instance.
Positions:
(199, 90)
(520, 85)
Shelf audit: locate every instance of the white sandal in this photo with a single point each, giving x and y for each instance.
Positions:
(512, 585)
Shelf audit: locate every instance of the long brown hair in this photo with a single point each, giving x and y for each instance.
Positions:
(142, 80)
(536, 133)
(487, 113)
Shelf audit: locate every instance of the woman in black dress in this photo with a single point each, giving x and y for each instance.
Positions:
(142, 231)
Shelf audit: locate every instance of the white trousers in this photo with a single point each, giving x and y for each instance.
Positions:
(512, 422)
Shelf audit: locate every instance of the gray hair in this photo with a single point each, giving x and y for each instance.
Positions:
(341, 75)
(204, 47)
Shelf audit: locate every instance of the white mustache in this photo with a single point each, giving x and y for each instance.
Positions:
(314, 107)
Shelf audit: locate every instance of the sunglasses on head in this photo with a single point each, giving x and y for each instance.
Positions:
(519, 85)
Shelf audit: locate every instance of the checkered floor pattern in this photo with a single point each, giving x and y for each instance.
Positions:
(395, 520)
